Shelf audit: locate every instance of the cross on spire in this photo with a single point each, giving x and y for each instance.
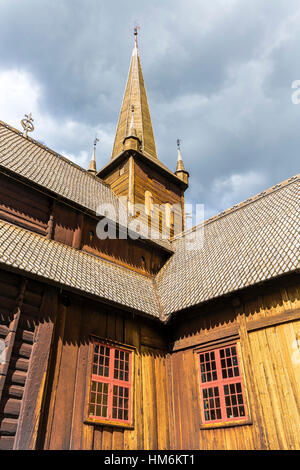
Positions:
(136, 35)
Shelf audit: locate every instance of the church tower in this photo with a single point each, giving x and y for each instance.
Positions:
(134, 170)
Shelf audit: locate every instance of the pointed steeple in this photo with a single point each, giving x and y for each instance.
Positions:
(180, 170)
(135, 107)
(92, 168)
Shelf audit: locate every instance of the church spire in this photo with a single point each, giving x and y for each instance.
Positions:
(180, 170)
(92, 168)
(135, 106)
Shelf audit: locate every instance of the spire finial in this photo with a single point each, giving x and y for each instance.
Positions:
(179, 157)
(136, 27)
(95, 142)
(27, 124)
(92, 165)
(180, 170)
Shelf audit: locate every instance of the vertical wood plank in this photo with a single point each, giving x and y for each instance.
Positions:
(134, 439)
(63, 412)
(33, 398)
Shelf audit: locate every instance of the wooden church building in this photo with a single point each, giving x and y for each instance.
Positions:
(141, 342)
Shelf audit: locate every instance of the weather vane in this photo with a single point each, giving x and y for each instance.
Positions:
(178, 143)
(27, 124)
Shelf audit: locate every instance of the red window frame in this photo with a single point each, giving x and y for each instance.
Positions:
(110, 391)
(221, 385)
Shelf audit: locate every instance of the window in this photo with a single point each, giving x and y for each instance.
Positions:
(169, 214)
(148, 203)
(221, 385)
(110, 392)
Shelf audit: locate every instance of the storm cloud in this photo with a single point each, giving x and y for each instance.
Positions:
(218, 76)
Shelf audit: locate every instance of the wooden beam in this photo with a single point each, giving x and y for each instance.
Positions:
(77, 236)
(265, 322)
(32, 403)
(10, 339)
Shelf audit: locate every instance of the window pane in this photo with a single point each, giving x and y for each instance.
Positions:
(121, 365)
(211, 405)
(229, 364)
(208, 367)
(120, 402)
(101, 358)
(98, 399)
(232, 398)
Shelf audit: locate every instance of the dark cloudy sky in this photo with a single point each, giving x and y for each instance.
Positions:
(218, 75)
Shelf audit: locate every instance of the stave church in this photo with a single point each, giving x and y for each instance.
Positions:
(189, 339)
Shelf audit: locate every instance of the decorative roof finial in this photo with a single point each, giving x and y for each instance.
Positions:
(180, 170)
(95, 142)
(92, 165)
(136, 27)
(179, 157)
(27, 124)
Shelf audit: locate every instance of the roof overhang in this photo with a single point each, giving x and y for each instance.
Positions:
(154, 163)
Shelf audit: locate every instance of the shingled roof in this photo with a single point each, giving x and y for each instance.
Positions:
(253, 242)
(73, 269)
(33, 161)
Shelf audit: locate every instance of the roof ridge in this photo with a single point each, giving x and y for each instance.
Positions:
(53, 152)
(240, 205)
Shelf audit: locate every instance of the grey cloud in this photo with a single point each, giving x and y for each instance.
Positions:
(200, 85)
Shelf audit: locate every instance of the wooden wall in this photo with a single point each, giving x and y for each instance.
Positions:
(63, 426)
(22, 206)
(137, 255)
(118, 179)
(24, 317)
(37, 212)
(133, 181)
(267, 326)
(163, 191)
(43, 381)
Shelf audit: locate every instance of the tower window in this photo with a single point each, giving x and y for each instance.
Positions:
(221, 386)
(169, 214)
(148, 203)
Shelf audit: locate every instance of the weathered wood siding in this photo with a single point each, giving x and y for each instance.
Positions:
(118, 179)
(129, 253)
(133, 181)
(267, 327)
(21, 315)
(23, 206)
(163, 191)
(64, 426)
